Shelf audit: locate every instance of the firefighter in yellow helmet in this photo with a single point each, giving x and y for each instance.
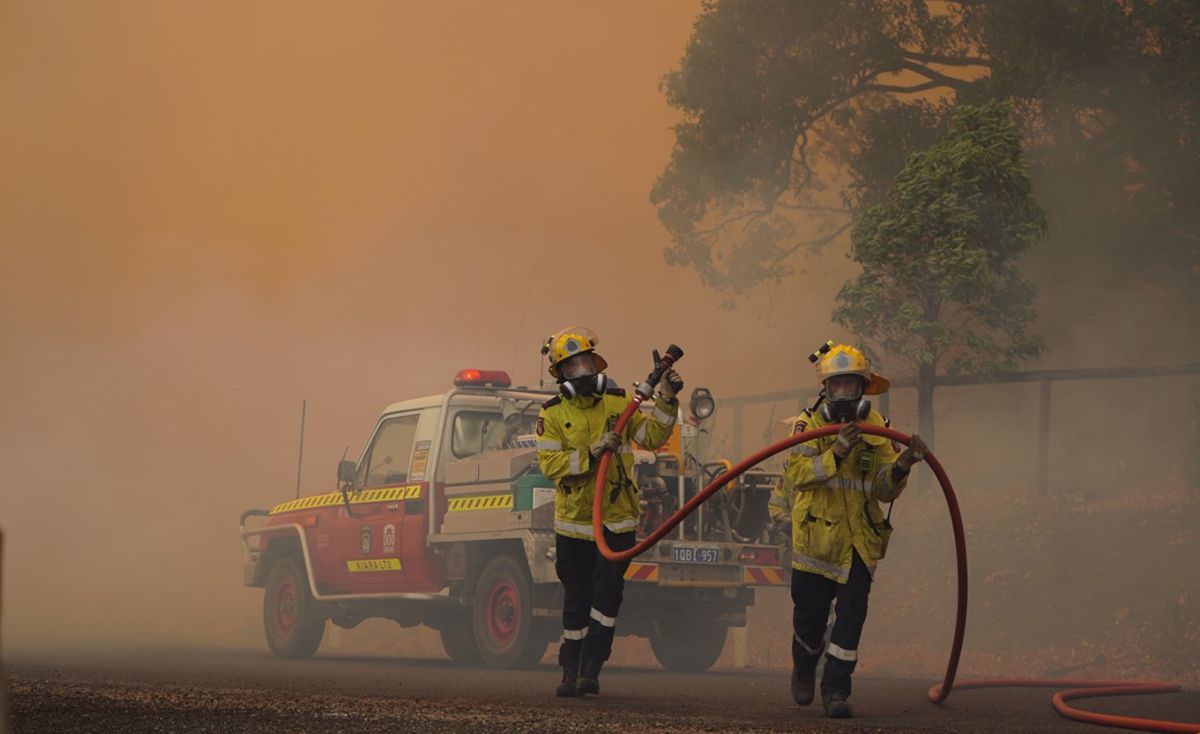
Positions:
(573, 430)
(831, 491)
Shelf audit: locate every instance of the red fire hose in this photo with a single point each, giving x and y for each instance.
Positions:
(937, 694)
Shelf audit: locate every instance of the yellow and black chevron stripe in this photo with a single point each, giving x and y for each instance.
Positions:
(481, 502)
(386, 494)
(765, 575)
(642, 572)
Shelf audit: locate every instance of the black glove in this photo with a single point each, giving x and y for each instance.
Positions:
(671, 383)
(610, 441)
(915, 452)
(847, 439)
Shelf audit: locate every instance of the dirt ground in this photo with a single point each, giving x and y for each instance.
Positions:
(1077, 584)
(227, 691)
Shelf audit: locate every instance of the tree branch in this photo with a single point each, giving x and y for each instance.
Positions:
(799, 157)
(752, 214)
(815, 208)
(947, 60)
(925, 71)
(828, 107)
(902, 90)
(819, 241)
(957, 330)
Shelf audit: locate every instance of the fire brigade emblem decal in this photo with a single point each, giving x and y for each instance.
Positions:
(365, 537)
(389, 538)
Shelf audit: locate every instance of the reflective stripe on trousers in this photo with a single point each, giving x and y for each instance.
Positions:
(811, 596)
(593, 587)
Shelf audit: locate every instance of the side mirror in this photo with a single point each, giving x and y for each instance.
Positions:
(346, 471)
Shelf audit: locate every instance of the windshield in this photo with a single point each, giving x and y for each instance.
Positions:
(387, 460)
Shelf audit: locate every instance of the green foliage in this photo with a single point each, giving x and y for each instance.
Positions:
(939, 286)
(799, 114)
(757, 77)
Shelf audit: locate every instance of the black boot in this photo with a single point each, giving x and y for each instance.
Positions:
(804, 683)
(568, 689)
(589, 677)
(836, 706)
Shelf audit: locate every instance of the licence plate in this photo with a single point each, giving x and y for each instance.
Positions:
(695, 554)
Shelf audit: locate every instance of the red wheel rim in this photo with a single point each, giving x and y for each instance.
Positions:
(503, 612)
(284, 608)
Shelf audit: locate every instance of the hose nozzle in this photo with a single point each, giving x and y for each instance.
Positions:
(661, 365)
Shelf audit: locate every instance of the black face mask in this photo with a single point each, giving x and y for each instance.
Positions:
(585, 386)
(846, 410)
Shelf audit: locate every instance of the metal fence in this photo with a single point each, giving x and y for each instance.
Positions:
(1044, 378)
(3, 677)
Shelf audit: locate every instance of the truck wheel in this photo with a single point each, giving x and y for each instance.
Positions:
(458, 638)
(539, 639)
(690, 647)
(293, 625)
(502, 615)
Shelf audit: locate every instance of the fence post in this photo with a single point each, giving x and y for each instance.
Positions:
(737, 432)
(3, 674)
(1043, 437)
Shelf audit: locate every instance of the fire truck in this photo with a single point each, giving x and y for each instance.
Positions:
(446, 521)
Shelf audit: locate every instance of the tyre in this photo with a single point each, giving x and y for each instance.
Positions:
(688, 647)
(539, 639)
(458, 638)
(502, 616)
(749, 512)
(291, 619)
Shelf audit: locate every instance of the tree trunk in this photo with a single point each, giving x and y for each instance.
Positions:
(925, 375)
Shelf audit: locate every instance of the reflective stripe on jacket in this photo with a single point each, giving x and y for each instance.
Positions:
(835, 509)
(567, 428)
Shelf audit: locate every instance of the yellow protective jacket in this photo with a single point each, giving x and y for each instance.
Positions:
(566, 429)
(835, 509)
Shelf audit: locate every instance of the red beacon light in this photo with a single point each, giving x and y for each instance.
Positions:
(482, 378)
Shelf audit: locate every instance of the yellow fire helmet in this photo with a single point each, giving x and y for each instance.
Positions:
(569, 342)
(843, 359)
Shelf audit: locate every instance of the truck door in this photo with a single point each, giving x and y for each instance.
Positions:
(367, 544)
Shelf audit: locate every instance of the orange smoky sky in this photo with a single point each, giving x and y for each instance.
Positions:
(210, 212)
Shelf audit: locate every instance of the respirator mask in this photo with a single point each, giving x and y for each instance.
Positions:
(578, 377)
(844, 402)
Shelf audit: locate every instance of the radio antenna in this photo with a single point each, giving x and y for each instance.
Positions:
(300, 461)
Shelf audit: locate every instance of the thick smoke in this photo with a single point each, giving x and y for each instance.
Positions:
(208, 219)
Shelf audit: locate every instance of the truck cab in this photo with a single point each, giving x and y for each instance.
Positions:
(446, 521)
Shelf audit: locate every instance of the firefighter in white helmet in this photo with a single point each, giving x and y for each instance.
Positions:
(573, 430)
(831, 489)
